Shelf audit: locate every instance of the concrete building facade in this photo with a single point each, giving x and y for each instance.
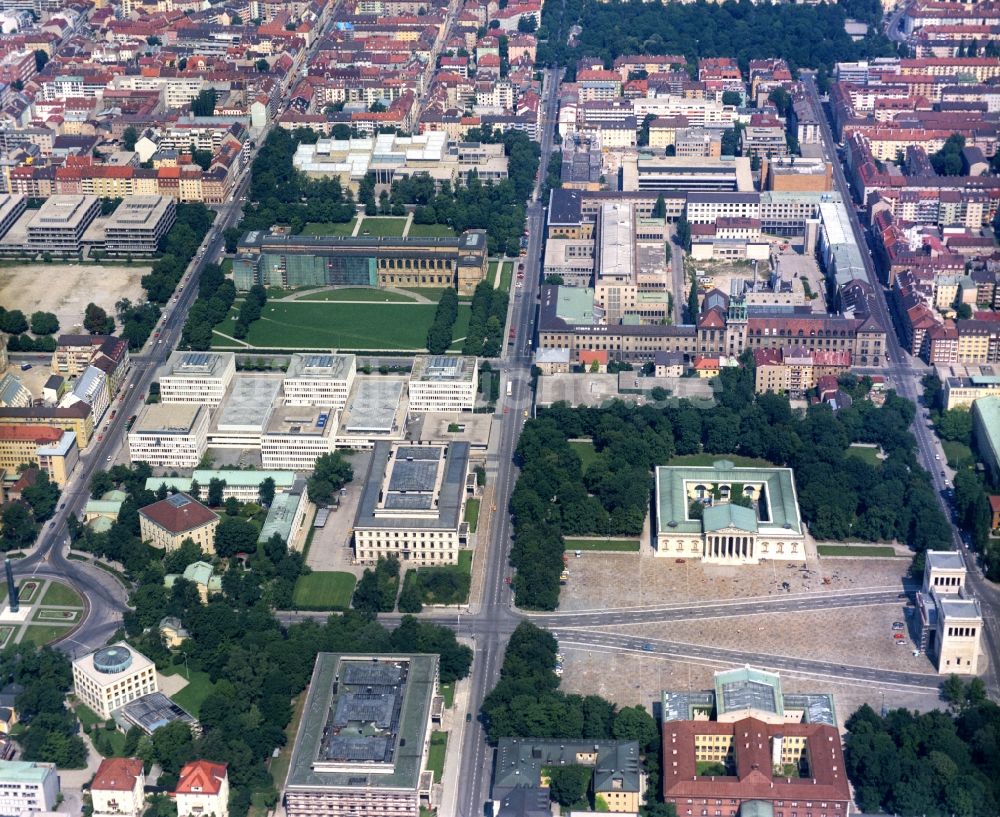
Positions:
(113, 676)
(167, 523)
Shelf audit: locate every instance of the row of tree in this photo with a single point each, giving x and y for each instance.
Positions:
(216, 296)
(439, 333)
(489, 313)
(178, 247)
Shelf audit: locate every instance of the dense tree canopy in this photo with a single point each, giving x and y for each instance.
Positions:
(840, 497)
(932, 763)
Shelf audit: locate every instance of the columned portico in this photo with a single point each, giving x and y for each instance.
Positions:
(732, 546)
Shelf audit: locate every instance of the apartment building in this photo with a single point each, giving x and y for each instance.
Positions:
(345, 692)
(28, 787)
(118, 788)
(77, 418)
(59, 457)
(443, 383)
(197, 377)
(169, 435)
(167, 523)
(74, 353)
(796, 371)
(203, 789)
(319, 380)
(113, 676)
(964, 385)
(60, 223)
(138, 225)
(412, 504)
(12, 207)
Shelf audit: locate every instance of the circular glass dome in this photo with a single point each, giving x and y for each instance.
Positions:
(112, 659)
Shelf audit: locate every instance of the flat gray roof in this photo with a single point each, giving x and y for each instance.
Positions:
(442, 368)
(364, 710)
(196, 364)
(332, 366)
(167, 418)
(412, 481)
(372, 406)
(249, 402)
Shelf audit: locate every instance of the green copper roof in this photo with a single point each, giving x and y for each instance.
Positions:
(673, 484)
(727, 515)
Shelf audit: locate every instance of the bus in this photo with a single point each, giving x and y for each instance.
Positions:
(509, 384)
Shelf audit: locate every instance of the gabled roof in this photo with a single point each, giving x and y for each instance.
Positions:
(201, 777)
(117, 774)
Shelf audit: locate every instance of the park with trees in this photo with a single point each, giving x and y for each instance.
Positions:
(840, 496)
(937, 762)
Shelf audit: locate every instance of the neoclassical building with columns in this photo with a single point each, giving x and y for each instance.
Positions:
(722, 514)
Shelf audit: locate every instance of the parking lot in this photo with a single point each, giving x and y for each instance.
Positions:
(331, 545)
(602, 581)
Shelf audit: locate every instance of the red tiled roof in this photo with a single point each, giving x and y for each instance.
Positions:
(30, 433)
(177, 516)
(201, 777)
(590, 355)
(117, 774)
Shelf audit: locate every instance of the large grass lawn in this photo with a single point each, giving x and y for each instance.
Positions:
(628, 545)
(198, 688)
(382, 227)
(472, 514)
(344, 228)
(856, 550)
(585, 451)
(62, 595)
(324, 590)
(40, 634)
(435, 754)
(448, 693)
(430, 231)
(709, 459)
(958, 455)
(358, 294)
(865, 454)
(379, 327)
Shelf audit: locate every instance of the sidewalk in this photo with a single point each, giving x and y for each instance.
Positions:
(453, 722)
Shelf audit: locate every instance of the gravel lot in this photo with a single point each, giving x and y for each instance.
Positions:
(66, 289)
(602, 581)
(630, 679)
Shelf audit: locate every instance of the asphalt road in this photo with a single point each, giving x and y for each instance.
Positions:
(104, 594)
(905, 372)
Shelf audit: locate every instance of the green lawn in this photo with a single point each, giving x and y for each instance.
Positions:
(472, 514)
(379, 327)
(491, 273)
(324, 590)
(115, 739)
(865, 454)
(40, 634)
(506, 273)
(435, 754)
(461, 327)
(358, 294)
(709, 459)
(882, 551)
(88, 717)
(448, 693)
(344, 228)
(430, 231)
(629, 545)
(382, 227)
(585, 451)
(198, 688)
(958, 455)
(62, 595)
(422, 574)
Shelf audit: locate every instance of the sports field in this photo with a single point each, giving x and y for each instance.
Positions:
(345, 325)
